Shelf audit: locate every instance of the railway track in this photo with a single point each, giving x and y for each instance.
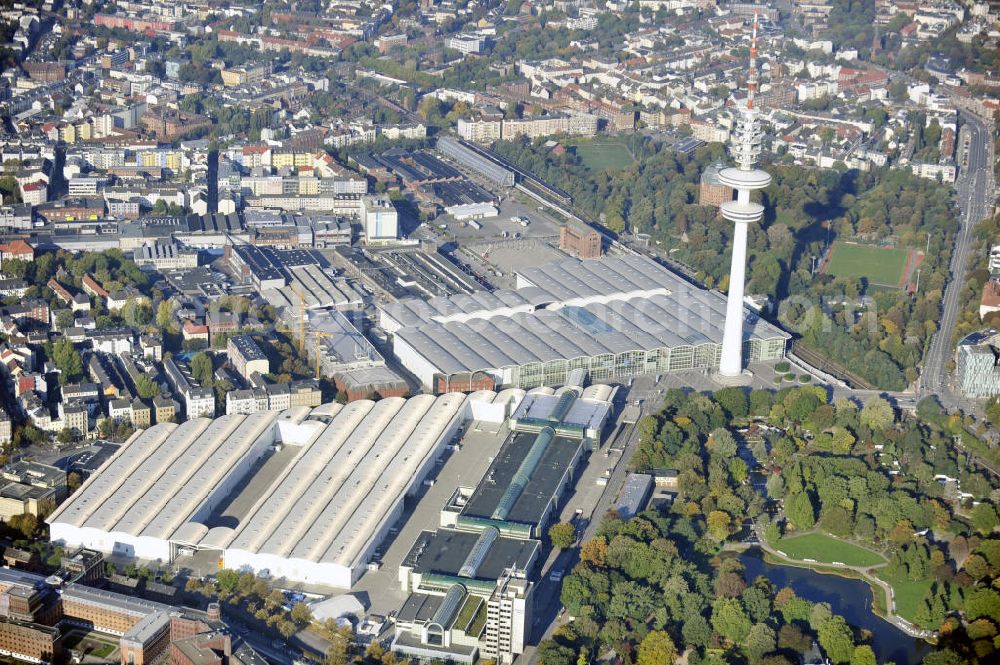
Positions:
(819, 361)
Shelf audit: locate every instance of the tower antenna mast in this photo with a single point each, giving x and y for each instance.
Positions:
(745, 149)
(752, 76)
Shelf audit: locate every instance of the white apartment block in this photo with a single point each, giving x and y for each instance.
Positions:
(508, 619)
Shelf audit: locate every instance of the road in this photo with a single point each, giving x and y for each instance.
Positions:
(974, 198)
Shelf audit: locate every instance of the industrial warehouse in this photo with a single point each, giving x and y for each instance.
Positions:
(310, 494)
(614, 317)
(306, 494)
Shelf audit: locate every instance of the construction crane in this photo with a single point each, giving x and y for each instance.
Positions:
(319, 334)
(302, 317)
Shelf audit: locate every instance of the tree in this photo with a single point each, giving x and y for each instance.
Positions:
(984, 518)
(696, 631)
(562, 535)
(68, 360)
(819, 614)
(929, 409)
(983, 603)
(146, 387)
(15, 268)
(301, 614)
(790, 636)
(729, 584)
(552, 653)
(837, 521)
(800, 511)
(734, 400)
(164, 315)
(339, 651)
(729, 619)
(760, 641)
(201, 369)
(26, 524)
(65, 319)
(718, 524)
(73, 481)
(837, 639)
(863, 655)
(657, 649)
(943, 657)
(760, 402)
(227, 580)
(877, 414)
(136, 314)
(374, 653)
(722, 444)
(757, 603)
(594, 551)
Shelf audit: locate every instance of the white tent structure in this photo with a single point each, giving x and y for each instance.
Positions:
(316, 519)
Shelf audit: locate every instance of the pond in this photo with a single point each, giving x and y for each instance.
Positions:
(851, 599)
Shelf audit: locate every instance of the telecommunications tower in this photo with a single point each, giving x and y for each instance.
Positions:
(744, 178)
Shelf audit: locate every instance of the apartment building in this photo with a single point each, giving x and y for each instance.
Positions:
(246, 357)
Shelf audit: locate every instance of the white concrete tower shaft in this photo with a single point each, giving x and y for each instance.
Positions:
(744, 178)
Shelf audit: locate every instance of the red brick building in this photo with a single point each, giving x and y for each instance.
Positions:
(711, 192)
(45, 72)
(582, 242)
(172, 124)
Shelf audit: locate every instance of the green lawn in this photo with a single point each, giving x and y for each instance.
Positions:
(94, 644)
(909, 594)
(826, 549)
(879, 264)
(104, 651)
(605, 155)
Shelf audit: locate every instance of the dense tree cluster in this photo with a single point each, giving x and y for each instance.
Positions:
(644, 589)
(252, 599)
(859, 472)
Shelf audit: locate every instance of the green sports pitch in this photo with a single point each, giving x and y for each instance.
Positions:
(609, 155)
(880, 265)
(822, 548)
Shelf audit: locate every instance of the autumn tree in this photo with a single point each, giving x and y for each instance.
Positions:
(562, 535)
(718, 524)
(657, 649)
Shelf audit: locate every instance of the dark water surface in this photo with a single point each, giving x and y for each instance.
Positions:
(851, 599)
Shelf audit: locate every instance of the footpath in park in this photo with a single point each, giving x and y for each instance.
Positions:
(866, 574)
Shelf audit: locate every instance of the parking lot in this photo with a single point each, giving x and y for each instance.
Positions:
(540, 224)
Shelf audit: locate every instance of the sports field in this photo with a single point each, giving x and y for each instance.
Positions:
(605, 155)
(825, 549)
(880, 265)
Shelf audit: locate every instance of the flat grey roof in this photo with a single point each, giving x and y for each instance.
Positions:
(540, 488)
(445, 551)
(419, 607)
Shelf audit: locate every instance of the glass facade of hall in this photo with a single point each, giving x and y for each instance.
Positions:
(610, 366)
